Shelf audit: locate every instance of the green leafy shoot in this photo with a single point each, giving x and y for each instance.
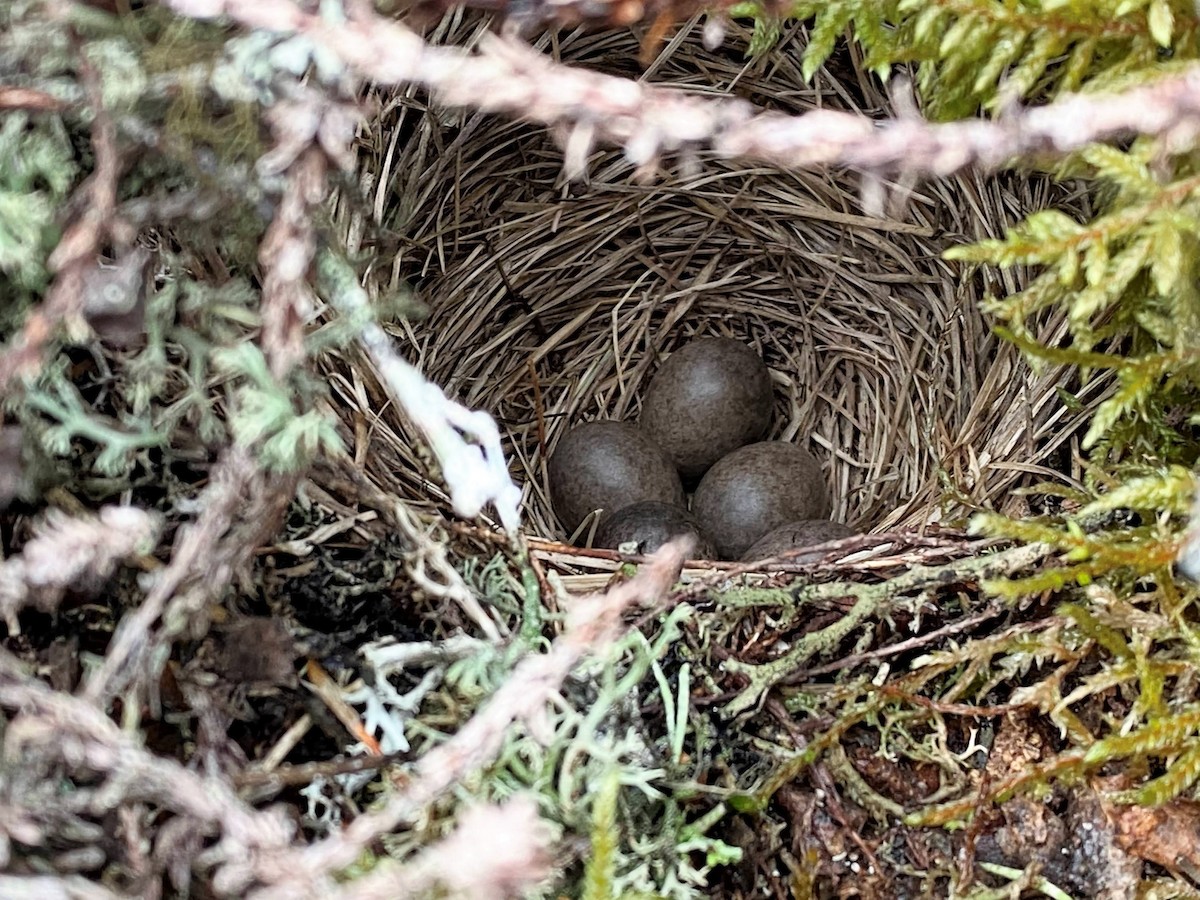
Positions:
(981, 54)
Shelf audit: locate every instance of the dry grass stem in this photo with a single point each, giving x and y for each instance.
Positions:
(431, 569)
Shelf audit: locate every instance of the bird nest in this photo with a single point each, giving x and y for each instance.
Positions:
(551, 303)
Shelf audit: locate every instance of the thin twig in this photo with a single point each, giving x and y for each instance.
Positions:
(29, 98)
(504, 75)
(956, 627)
(285, 254)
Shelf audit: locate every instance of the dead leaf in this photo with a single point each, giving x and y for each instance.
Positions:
(257, 650)
(1168, 835)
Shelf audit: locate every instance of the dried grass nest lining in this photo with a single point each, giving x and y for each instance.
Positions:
(552, 304)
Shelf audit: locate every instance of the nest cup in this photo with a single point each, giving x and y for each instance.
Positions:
(552, 303)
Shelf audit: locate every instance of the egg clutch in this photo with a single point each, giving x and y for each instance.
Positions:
(703, 421)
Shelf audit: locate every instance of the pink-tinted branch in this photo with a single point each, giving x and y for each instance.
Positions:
(648, 121)
(67, 553)
(496, 852)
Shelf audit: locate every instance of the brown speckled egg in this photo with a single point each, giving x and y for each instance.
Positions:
(709, 398)
(757, 489)
(651, 524)
(805, 533)
(608, 465)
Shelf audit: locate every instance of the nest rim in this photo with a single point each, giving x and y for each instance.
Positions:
(527, 276)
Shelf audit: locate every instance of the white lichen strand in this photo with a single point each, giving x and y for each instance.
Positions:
(465, 442)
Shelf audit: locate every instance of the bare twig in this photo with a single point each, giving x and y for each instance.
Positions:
(304, 773)
(593, 623)
(309, 130)
(285, 254)
(1168, 108)
(29, 98)
(647, 121)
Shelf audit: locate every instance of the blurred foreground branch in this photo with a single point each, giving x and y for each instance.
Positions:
(496, 852)
(507, 76)
(72, 553)
(244, 503)
(240, 509)
(53, 728)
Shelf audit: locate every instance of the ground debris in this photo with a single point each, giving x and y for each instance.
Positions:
(1063, 831)
(257, 650)
(1167, 835)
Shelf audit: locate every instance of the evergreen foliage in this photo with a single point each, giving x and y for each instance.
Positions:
(985, 54)
(1126, 282)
